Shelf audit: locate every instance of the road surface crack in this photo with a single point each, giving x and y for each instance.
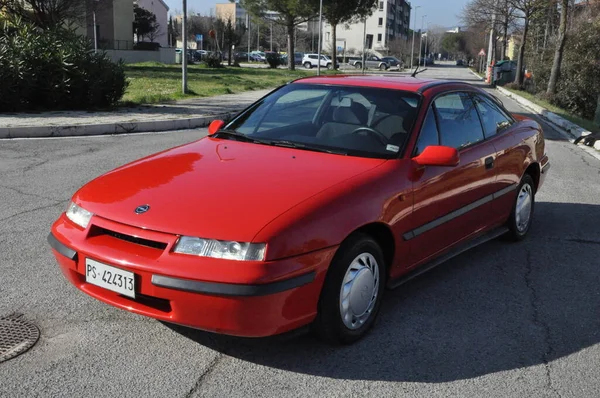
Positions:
(536, 319)
(32, 210)
(211, 366)
(20, 192)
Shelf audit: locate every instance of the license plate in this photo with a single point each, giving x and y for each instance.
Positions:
(109, 277)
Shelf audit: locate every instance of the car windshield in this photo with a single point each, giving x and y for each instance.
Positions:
(355, 121)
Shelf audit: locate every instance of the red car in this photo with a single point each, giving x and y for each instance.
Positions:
(305, 207)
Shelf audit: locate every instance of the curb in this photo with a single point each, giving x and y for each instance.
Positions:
(572, 130)
(476, 75)
(113, 128)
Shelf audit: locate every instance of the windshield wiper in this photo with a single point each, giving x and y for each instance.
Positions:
(232, 134)
(297, 145)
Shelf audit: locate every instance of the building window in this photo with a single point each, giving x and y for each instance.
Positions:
(380, 21)
(327, 35)
(378, 37)
(380, 5)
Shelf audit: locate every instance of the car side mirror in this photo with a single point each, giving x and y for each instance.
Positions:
(215, 126)
(438, 155)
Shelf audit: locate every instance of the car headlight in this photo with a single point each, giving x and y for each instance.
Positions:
(79, 215)
(221, 249)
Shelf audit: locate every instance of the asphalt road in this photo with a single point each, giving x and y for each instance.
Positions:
(503, 320)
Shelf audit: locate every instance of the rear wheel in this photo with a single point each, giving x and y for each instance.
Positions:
(307, 65)
(352, 293)
(358, 65)
(382, 67)
(521, 215)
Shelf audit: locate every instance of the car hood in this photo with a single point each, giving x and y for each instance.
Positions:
(215, 188)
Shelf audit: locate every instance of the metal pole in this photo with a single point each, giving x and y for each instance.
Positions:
(421, 40)
(95, 38)
(271, 36)
(184, 49)
(427, 41)
(412, 51)
(364, 53)
(248, 26)
(320, 33)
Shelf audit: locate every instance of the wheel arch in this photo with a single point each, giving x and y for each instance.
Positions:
(534, 171)
(383, 235)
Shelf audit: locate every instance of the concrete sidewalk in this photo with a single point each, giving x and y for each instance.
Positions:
(179, 115)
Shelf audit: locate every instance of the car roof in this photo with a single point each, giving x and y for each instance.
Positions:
(406, 83)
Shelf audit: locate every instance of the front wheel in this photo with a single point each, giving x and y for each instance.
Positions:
(358, 65)
(352, 292)
(521, 215)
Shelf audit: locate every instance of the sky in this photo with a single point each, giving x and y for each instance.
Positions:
(439, 12)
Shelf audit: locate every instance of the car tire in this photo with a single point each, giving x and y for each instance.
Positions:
(521, 215)
(330, 66)
(358, 265)
(382, 67)
(358, 65)
(307, 65)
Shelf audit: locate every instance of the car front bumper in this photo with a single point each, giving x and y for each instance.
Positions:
(240, 298)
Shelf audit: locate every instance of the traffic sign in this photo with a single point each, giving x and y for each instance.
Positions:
(482, 53)
(199, 37)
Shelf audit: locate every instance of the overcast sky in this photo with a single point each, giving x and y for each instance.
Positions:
(439, 12)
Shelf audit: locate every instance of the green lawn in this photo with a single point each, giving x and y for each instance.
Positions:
(154, 82)
(578, 120)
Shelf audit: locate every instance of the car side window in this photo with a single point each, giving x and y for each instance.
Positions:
(458, 120)
(493, 118)
(429, 133)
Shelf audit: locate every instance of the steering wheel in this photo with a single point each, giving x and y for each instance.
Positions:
(382, 138)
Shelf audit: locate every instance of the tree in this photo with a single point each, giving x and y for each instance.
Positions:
(560, 46)
(290, 13)
(174, 32)
(481, 12)
(144, 23)
(526, 10)
(454, 43)
(344, 11)
(232, 36)
(47, 14)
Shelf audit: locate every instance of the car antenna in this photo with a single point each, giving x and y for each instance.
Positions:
(415, 73)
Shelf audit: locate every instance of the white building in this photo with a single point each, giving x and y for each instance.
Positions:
(161, 10)
(390, 21)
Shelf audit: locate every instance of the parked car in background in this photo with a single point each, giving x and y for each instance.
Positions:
(393, 62)
(258, 56)
(371, 62)
(320, 196)
(297, 58)
(311, 61)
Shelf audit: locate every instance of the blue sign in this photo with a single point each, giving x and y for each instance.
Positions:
(340, 48)
(198, 37)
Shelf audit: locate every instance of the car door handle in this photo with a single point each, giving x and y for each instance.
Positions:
(489, 162)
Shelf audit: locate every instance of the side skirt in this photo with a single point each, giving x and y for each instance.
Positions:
(471, 243)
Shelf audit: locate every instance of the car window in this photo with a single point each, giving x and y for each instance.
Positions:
(459, 122)
(360, 121)
(429, 133)
(493, 118)
(298, 106)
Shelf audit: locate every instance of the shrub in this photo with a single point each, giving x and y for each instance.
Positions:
(273, 59)
(579, 85)
(54, 69)
(212, 60)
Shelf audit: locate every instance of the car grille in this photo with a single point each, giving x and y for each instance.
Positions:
(128, 238)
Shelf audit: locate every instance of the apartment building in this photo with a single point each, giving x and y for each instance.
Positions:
(390, 21)
(238, 15)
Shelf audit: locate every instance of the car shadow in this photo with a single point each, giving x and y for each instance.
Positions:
(498, 307)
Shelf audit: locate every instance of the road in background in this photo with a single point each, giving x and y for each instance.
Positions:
(503, 320)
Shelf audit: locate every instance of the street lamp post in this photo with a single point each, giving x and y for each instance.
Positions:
(426, 43)
(320, 41)
(184, 49)
(412, 51)
(421, 40)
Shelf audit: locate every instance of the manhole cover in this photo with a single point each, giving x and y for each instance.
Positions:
(16, 336)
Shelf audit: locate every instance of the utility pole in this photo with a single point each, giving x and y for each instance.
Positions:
(271, 35)
(426, 42)
(248, 27)
(184, 49)
(412, 51)
(320, 40)
(364, 53)
(490, 56)
(421, 41)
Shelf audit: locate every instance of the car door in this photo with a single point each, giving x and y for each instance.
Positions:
(450, 203)
(498, 127)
